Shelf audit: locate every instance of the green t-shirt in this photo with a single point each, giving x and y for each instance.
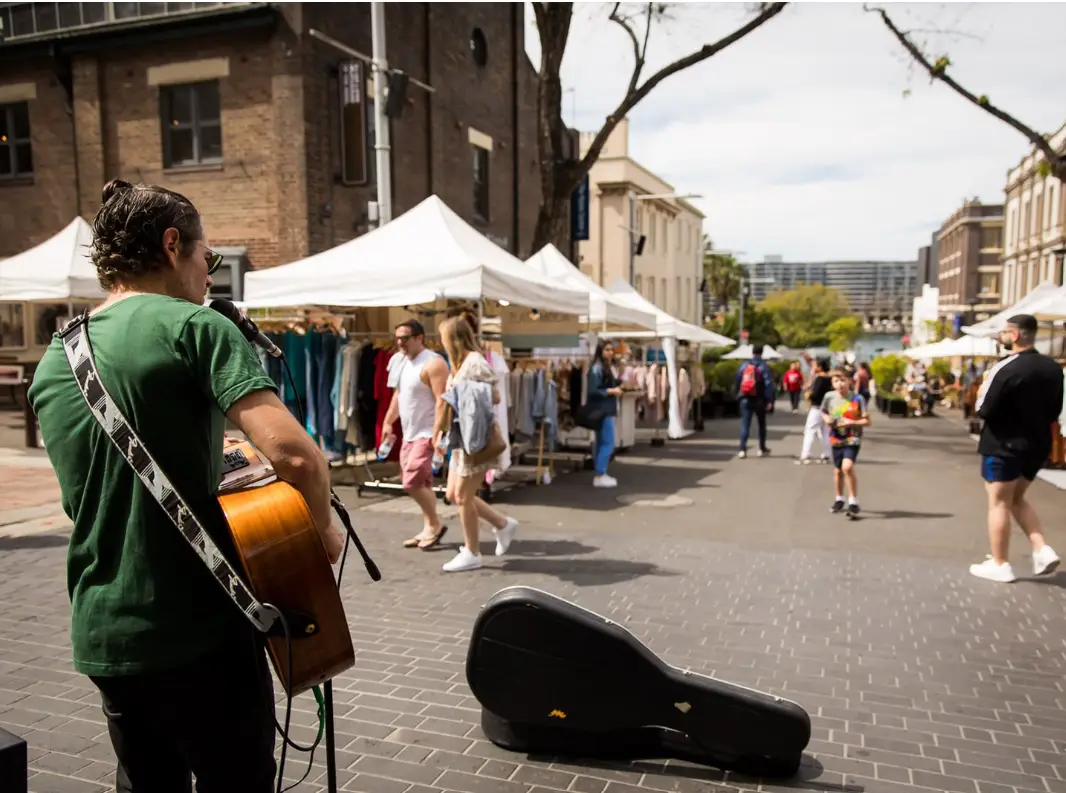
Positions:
(141, 598)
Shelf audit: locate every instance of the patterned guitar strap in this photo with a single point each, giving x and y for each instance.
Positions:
(79, 353)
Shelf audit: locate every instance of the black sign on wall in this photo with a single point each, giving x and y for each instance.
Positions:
(352, 85)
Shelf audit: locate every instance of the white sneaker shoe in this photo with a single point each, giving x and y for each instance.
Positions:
(605, 481)
(1045, 561)
(463, 561)
(988, 569)
(505, 535)
(742, 455)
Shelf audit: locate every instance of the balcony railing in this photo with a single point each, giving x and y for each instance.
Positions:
(23, 20)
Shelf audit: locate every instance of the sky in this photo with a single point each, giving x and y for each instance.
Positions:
(801, 137)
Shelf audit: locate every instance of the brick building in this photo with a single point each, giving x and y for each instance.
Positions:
(970, 249)
(268, 130)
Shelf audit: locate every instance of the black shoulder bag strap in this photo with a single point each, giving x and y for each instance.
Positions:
(79, 354)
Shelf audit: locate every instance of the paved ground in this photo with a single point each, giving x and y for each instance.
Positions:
(917, 677)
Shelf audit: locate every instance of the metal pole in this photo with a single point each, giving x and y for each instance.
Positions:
(740, 319)
(633, 237)
(382, 148)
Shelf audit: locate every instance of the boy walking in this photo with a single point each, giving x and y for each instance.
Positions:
(844, 412)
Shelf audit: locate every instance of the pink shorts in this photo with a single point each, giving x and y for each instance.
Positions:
(416, 463)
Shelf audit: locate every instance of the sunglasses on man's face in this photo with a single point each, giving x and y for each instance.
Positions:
(214, 260)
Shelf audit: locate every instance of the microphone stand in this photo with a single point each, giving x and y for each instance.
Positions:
(252, 334)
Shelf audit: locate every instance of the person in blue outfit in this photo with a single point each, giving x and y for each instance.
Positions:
(755, 390)
(603, 393)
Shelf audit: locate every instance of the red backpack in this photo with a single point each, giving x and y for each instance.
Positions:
(749, 380)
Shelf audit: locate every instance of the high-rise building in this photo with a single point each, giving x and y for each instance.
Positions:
(881, 291)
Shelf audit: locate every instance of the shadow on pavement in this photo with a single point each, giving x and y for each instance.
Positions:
(902, 514)
(586, 572)
(33, 541)
(1057, 579)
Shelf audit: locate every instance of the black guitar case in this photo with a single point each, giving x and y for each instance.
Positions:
(555, 679)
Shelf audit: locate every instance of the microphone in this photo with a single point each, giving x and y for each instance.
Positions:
(248, 328)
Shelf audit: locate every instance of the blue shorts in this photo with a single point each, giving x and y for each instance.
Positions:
(842, 453)
(1008, 469)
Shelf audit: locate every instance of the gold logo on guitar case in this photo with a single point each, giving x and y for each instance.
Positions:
(557, 714)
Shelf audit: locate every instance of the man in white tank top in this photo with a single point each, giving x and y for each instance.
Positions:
(419, 380)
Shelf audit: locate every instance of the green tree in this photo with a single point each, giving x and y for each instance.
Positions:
(802, 316)
(844, 332)
(760, 326)
(723, 275)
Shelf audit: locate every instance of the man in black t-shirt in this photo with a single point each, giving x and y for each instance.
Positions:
(820, 385)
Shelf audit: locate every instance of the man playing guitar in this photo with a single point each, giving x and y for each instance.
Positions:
(185, 683)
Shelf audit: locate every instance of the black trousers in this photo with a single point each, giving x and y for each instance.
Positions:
(795, 397)
(213, 718)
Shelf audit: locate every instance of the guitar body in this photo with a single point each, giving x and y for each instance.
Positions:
(553, 678)
(285, 565)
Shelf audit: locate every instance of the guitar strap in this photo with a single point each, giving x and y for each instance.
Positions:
(75, 336)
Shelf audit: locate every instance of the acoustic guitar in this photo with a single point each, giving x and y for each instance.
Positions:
(285, 564)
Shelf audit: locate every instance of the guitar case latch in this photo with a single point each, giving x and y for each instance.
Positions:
(301, 626)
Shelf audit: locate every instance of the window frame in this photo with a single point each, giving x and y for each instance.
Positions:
(482, 193)
(10, 147)
(196, 124)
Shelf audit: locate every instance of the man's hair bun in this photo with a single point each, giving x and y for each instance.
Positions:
(114, 187)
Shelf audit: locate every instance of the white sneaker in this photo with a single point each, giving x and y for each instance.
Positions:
(988, 569)
(742, 455)
(505, 535)
(1045, 561)
(605, 481)
(463, 561)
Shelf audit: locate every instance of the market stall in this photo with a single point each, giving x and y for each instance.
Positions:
(669, 330)
(425, 263)
(40, 289)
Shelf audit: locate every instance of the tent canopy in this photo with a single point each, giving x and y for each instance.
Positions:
(426, 254)
(962, 347)
(603, 307)
(666, 326)
(56, 270)
(1032, 303)
(743, 352)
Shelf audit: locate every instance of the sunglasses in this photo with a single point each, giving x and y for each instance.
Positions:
(214, 260)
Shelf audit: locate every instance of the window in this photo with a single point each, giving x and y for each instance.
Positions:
(651, 290)
(192, 124)
(638, 285)
(29, 19)
(991, 238)
(989, 284)
(12, 325)
(16, 153)
(356, 125)
(481, 181)
(479, 47)
(654, 227)
(50, 317)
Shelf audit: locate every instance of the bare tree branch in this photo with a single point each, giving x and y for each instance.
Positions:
(638, 52)
(938, 71)
(636, 94)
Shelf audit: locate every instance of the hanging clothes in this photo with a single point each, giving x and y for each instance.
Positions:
(383, 395)
(502, 408)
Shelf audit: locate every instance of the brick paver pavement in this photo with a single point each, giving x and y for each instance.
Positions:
(917, 676)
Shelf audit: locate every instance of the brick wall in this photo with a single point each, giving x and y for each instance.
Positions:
(33, 211)
(278, 191)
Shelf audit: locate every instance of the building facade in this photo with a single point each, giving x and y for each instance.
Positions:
(1035, 225)
(970, 249)
(881, 291)
(668, 268)
(268, 130)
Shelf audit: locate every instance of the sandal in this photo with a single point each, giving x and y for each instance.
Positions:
(422, 541)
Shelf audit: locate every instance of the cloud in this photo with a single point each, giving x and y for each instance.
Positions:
(800, 136)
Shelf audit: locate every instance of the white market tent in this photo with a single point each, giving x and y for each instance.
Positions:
(604, 308)
(59, 269)
(1042, 295)
(426, 254)
(962, 347)
(669, 330)
(743, 352)
(666, 325)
